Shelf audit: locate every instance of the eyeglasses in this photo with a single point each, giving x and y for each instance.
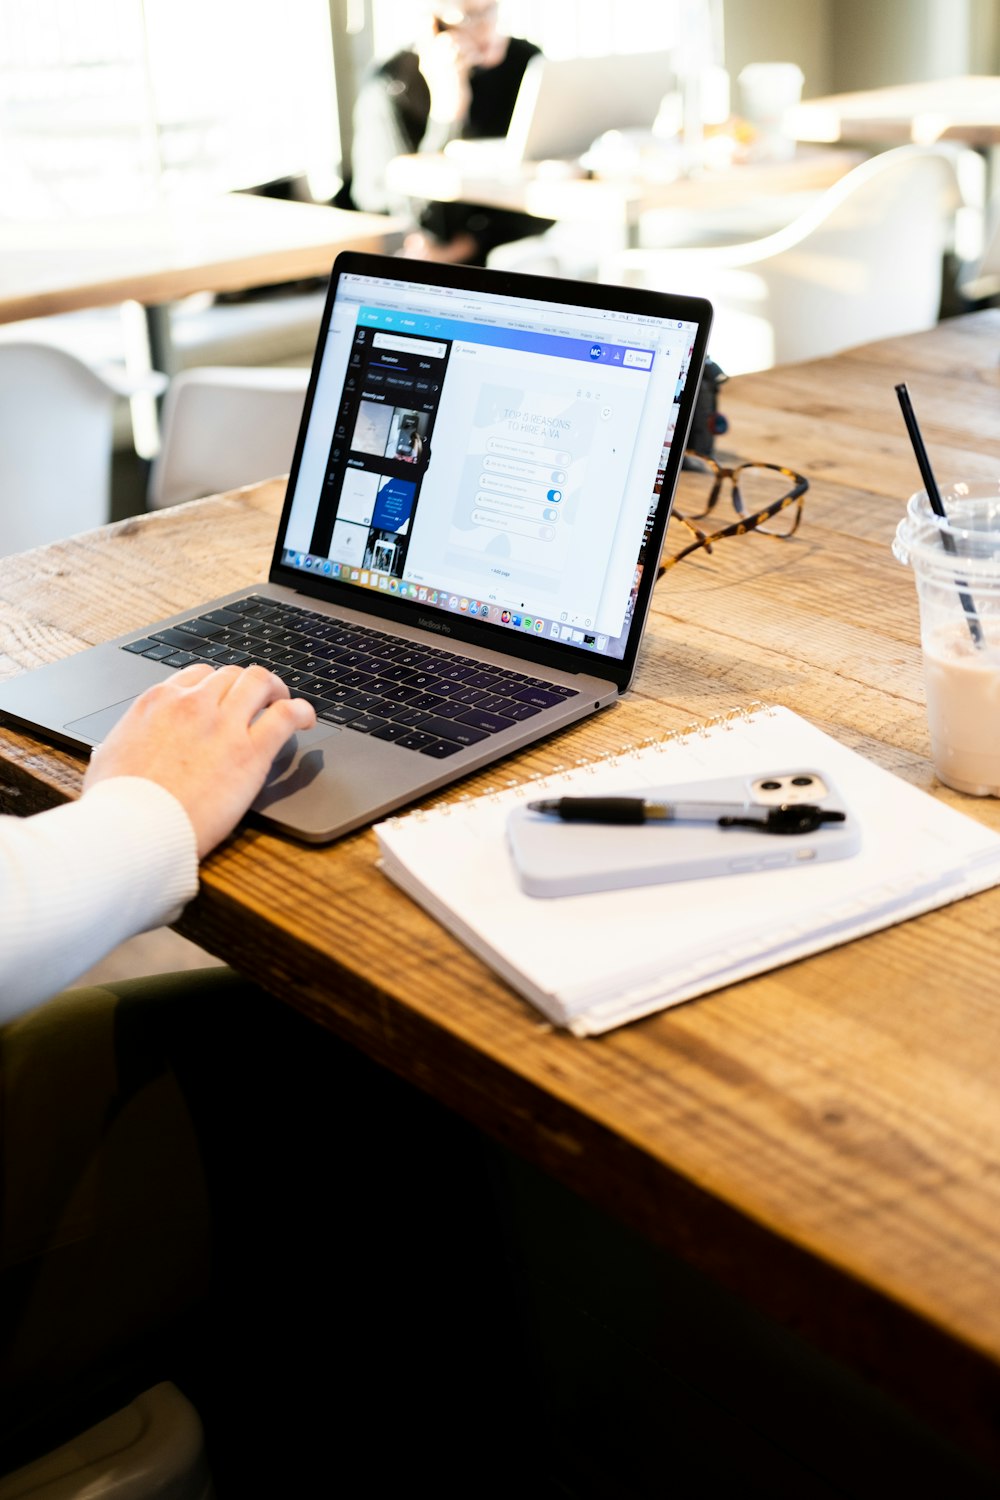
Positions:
(766, 498)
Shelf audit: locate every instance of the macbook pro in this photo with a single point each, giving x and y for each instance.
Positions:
(465, 557)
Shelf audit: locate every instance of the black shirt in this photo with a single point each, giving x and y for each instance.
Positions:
(392, 118)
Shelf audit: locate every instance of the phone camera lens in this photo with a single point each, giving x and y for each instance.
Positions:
(770, 786)
(802, 781)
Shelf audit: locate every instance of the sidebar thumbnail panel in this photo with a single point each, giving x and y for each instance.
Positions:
(380, 451)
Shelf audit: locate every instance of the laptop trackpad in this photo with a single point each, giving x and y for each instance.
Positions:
(296, 766)
(96, 727)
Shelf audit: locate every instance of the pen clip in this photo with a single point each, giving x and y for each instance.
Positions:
(788, 818)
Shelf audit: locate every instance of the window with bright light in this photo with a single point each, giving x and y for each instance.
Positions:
(118, 103)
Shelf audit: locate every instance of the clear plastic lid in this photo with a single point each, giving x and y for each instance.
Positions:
(966, 539)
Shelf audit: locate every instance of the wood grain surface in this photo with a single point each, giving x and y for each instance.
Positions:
(824, 1139)
(224, 245)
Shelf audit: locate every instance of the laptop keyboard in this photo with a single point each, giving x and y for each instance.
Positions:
(423, 699)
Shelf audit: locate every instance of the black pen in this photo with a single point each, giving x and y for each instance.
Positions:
(786, 818)
(638, 810)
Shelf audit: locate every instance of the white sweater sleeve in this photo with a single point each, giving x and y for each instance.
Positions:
(78, 880)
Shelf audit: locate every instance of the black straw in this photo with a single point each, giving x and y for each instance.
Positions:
(937, 506)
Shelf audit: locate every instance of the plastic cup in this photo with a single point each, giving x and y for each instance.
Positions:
(956, 567)
(767, 91)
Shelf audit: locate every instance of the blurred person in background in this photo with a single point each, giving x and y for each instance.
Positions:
(459, 80)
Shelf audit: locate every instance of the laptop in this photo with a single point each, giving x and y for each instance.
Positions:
(464, 561)
(564, 104)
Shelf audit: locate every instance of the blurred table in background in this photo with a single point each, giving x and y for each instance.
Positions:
(225, 244)
(145, 263)
(965, 110)
(561, 191)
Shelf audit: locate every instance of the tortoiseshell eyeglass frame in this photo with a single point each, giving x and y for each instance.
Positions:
(748, 521)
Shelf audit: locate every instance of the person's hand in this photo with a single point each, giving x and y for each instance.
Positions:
(209, 737)
(445, 59)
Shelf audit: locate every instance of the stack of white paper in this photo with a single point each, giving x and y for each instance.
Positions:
(591, 962)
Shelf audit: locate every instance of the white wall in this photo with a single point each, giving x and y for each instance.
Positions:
(782, 31)
(842, 45)
(898, 41)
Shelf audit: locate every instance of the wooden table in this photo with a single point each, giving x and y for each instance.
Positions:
(562, 191)
(226, 244)
(822, 1141)
(939, 109)
(223, 245)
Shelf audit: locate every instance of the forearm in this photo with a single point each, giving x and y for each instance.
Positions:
(377, 139)
(80, 879)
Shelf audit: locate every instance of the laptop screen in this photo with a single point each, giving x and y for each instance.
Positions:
(490, 456)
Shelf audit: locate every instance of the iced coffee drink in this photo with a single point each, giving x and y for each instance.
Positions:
(955, 559)
(962, 679)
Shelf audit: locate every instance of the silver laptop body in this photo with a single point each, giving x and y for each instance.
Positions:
(464, 562)
(565, 104)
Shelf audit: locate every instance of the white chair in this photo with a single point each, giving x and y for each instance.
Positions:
(223, 428)
(862, 263)
(56, 420)
(279, 330)
(979, 280)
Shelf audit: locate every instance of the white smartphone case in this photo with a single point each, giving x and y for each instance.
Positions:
(553, 858)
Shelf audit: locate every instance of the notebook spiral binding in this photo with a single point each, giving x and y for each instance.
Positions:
(725, 719)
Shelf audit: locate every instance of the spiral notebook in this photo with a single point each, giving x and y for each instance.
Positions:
(592, 962)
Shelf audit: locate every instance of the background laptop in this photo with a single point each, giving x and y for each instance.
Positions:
(464, 561)
(564, 104)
